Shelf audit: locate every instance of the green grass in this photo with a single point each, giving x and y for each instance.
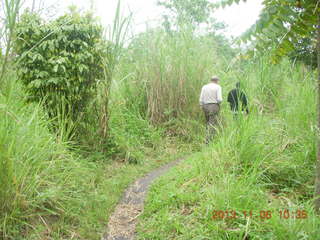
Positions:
(54, 189)
(48, 190)
(262, 162)
(161, 73)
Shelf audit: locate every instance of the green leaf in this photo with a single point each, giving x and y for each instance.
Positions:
(55, 68)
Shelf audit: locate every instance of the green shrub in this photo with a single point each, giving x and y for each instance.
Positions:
(60, 61)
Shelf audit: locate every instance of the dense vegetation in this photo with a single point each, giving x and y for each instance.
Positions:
(262, 162)
(60, 62)
(135, 107)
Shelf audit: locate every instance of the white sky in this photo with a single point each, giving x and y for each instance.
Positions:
(146, 12)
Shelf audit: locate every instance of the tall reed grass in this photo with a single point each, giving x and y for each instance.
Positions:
(11, 12)
(263, 161)
(116, 35)
(36, 171)
(163, 72)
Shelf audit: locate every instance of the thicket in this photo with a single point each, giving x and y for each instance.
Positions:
(46, 190)
(138, 103)
(39, 177)
(162, 82)
(60, 63)
(261, 162)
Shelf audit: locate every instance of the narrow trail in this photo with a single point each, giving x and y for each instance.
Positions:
(122, 222)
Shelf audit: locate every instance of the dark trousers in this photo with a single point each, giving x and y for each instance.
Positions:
(211, 113)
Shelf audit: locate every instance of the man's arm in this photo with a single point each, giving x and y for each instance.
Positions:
(201, 98)
(230, 98)
(244, 101)
(219, 95)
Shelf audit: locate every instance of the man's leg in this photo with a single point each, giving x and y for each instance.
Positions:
(206, 112)
(210, 128)
(235, 114)
(212, 121)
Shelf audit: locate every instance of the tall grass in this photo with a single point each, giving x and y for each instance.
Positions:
(38, 176)
(48, 191)
(11, 12)
(116, 35)
(261, 162)
(162, 72)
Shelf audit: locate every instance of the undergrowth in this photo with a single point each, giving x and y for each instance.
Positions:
(258, 163)
(146, 113)
(49, 190)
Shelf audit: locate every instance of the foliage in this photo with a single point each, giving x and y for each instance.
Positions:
(305, 51)
(61, 61)
(282, 25)
(131, 134)
(281, 28)
(46, 192)
(191, 11)
(7, 34)
(117, 35)
(163, 80)
(191, 15)
(38, 175)
(260, 162)
(49, 192)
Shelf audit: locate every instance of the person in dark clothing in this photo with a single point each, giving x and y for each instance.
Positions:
(236, 96)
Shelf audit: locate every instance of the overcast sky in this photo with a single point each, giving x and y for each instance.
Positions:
(238, 17)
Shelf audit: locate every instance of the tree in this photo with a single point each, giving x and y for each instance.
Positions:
(192, 12)
(305, 51)
(284, 23)
(189, 14)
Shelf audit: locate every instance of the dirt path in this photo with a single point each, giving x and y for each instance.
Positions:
(122, 222)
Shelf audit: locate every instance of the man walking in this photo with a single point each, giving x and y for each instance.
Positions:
(210, 99)
(236, 95)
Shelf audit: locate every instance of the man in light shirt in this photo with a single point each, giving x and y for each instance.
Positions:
(210, 99)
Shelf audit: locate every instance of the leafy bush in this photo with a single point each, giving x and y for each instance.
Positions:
(60, 61)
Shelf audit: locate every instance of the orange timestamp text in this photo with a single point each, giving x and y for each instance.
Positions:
(259, 214)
